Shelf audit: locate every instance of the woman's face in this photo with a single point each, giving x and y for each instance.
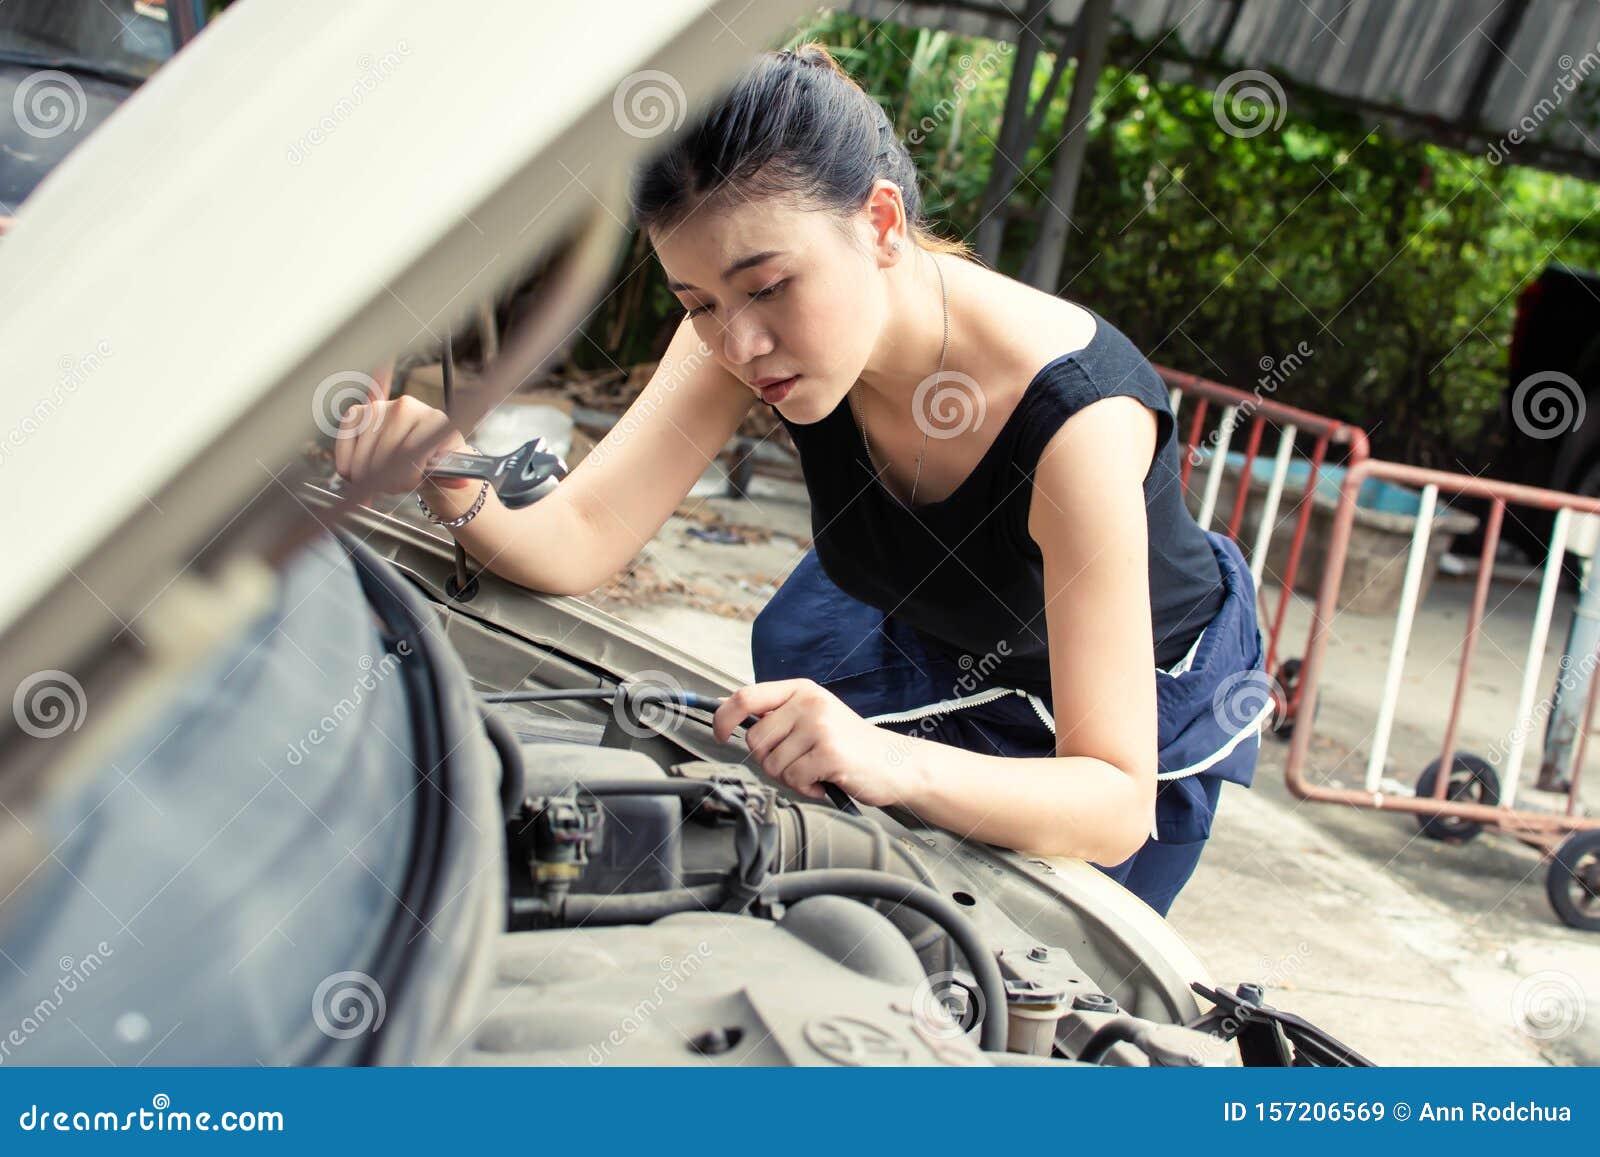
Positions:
(783, 296)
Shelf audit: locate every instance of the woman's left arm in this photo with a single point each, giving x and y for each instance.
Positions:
(1096, 798)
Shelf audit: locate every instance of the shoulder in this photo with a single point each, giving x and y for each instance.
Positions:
(1091, 470)
(1107, 439)
(1069, 351)
(1073, 402)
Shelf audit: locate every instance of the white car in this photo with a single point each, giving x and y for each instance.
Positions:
(257, 805)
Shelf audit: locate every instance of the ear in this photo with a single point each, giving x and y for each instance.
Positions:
(885, 218)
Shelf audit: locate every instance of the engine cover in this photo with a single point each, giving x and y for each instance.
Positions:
(709, 989)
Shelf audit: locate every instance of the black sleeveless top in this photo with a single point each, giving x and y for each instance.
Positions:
(963, 571)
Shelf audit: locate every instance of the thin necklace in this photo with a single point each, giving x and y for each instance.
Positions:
(944, 348)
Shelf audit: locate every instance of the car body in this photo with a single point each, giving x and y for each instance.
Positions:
(177, 530)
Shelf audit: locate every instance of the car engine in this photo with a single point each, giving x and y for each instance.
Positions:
(692, 915)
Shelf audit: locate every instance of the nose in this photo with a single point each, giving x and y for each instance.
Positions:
(744, 339)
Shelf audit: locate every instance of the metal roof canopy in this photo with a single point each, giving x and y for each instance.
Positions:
(1462, 72)
(1498, 77)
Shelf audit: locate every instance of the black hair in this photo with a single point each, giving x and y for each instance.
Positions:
(795, 124)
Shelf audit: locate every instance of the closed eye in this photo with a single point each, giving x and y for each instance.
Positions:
(766, 294)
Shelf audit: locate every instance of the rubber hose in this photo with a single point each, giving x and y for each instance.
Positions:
(511, 769)
(1122, 1030)
(881, 886)
(595, 910)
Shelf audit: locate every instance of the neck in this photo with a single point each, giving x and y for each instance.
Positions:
(907, 350)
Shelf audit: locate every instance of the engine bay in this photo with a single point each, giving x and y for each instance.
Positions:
(665, 904)
(692, 915)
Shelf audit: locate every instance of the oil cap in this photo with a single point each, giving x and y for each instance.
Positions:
(1094, 1002)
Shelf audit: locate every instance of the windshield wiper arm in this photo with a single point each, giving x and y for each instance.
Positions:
(71, 64)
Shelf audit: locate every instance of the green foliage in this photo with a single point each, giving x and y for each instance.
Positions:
(1397, 263)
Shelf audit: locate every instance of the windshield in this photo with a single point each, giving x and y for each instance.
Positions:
(124, 37)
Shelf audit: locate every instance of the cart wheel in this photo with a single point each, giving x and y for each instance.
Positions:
(1573, 882)
(1288, 687)
(1472, 780)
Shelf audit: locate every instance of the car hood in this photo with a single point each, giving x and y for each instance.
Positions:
(306, 206)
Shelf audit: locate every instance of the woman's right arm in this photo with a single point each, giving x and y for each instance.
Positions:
(603, 513)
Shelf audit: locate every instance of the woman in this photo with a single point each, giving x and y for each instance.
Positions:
(1000, 535)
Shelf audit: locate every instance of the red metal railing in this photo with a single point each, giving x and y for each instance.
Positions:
(1541, 827)
(1291, 424)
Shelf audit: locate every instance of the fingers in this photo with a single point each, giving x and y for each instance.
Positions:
(406, 445)
(413, 446)
(378, 418)
(786, 743)
(781, 760)
(355, 438)
(389, 442)
(806, 773)
(756, 699)
(344, 441)
(773, 728)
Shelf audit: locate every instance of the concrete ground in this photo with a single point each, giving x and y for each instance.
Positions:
(1409, 950)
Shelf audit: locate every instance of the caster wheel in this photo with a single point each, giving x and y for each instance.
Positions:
(1472, 780)
(1573, 881)
(1284, 693)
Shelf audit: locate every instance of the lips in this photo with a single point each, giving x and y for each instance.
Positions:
(775, 390)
